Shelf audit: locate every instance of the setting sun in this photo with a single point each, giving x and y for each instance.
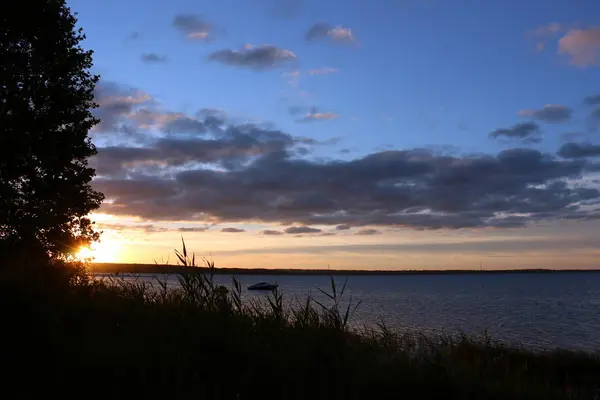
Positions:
(106, 250)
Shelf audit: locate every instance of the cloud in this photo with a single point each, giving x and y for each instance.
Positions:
(233, 230)
(293, 77)
(146, 228)
(174, 140)
(269, 232)
(236, 145)
(592, 100)
(544, 33)
(193, 26)
(552, 113)
(343, 227)
(217, 113)
(149, 228)
(367, 232)
(255, 57)
(513, 246)
(552, 29)
(115, 103)
(153, 58)
(401, 188)
(323, 30)
(315, 115)
(322, 71)
(526, 131)
(578, 150)
(301, 229)
(210, 169)
(193, 229)
(582, 46)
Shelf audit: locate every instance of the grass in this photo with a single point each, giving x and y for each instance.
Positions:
(68, 334)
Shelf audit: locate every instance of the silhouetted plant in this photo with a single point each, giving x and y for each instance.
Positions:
(148, 340)
(334, 313)
(46, 98)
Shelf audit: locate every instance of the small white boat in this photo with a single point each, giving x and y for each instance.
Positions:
(263, 286)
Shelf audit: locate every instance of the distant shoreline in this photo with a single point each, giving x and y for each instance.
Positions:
(170, 269)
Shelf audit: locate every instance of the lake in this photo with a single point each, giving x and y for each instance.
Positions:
(539, 310)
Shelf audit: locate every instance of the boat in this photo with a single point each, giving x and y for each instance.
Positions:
(263, 286)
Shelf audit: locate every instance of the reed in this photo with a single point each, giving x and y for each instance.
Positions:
(72, 335)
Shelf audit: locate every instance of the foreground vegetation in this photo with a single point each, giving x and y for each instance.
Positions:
(68, 334)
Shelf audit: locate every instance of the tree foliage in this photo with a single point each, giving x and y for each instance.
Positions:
(46, 98)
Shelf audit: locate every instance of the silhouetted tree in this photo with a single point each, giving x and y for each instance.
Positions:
(46, 97)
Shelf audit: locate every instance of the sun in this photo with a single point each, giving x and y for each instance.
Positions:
(106, 250)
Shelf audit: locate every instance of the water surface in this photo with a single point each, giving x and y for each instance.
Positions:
(537, 309)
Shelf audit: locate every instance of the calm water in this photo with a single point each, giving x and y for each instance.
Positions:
(538, 310)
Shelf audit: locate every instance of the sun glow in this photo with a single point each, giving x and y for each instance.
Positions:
(106, 250)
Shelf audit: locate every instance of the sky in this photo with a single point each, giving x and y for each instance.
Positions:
(385, 134)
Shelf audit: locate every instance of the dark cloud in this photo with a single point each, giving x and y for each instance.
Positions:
(233, 230)
(412, 188)
(255, 57)
(170, 139)
(592, 100)
(526, 131)
(153, 58)
(343, 227)
(269, 232)
(367, 232)
(301, 229)
(234, 146)
(207, 168)
(552, 113)
(127, 190)
(596, 112)
(115, 103)
(193, 26)
(579, 150)
(318, 31)
(323, 30)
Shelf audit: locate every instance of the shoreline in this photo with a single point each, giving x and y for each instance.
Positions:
(171, 269)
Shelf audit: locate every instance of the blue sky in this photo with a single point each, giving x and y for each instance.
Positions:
(400, 74)
(445, 72)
